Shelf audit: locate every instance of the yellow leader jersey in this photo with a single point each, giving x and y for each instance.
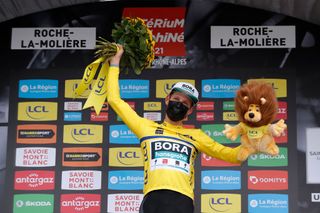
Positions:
(169, 150)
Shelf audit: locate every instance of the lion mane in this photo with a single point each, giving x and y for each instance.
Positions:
(256, 90)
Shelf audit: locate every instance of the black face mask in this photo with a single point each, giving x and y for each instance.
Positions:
(176, 111)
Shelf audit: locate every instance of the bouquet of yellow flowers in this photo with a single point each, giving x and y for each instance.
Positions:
(138, 44)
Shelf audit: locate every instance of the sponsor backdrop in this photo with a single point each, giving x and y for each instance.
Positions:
(61, 158)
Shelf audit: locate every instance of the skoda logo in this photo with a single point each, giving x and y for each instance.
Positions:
(19, 203)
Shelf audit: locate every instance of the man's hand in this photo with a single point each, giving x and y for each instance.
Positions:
(115, 60)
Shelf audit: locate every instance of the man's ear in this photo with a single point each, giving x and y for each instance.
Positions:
(191, 110)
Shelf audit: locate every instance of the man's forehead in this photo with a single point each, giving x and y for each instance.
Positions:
(181, 95)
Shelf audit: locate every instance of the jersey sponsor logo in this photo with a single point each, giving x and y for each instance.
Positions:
(125, 157)
(214, 131)
(36, 134)
(37, 111)
(267, 180)
(121, 134)
(264, 160)
(81, 180)
(282, 110)
(82, 134)
(34, 180)
(82, 157)
(35, 157)
(75, 203)
(38, 88)
(72, 116)
(279, 85)
(163, 87)
(169, 154)
(219, 88)
(130, 89)
(229, 116)
(167, 26)
(103, 116)
(152, 106)
(125, 202)
(28, 203)
(159, 131)
(205, 105)
(126, 180)
(265, 203)
(154, 116)
(72, 106)
(221, 180)
(210, 161)
(226, 203)
(205, 116)
(228, 106)
(72, 85)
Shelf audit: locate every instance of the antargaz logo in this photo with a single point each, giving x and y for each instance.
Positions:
(226, 203)
(82, 134)
(36, 134)
(125, 157)
(37, 111)
(34, 180)
(33, 203)
(75, 203)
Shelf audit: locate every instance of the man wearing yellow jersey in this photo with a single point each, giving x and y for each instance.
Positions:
(169, 149)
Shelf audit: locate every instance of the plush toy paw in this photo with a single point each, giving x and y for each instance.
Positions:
(273, 150)
(278, 128)
(231, 132)
(242, 155)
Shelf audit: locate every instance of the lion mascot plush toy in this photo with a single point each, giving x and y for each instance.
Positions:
(256, 106)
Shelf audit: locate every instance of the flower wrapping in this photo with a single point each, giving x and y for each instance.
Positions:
(138, 43)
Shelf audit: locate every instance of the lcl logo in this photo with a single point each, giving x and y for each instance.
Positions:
(83, 131)
(32, 109)
(127, 155)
